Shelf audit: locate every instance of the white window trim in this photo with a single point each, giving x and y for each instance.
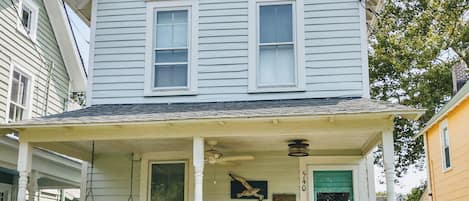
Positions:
(186, 176)
(443, 126)
(34, 7)
(192, 36)
(298, 39)
(353, 168)
(28, 111)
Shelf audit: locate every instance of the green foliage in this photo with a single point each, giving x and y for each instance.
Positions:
(416, 193)
(407, 66)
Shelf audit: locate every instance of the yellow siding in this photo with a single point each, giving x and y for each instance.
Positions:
(452, 185)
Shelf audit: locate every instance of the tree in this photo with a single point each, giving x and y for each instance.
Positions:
(407, 66)
(416, 193)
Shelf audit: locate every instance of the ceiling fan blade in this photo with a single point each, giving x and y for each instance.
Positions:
(237, 158)
(225, 163)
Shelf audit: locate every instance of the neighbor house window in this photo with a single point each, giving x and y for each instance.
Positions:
(28, 18)
(19, 96)
(277, 65)
(168, 181)
(445, 147)
(170, 66)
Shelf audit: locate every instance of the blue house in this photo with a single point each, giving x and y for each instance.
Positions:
(184, 94)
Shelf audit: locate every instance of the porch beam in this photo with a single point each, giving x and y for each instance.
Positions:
(66, 149)
(198, 160)
(24, 169)
(388, 158)
(211, 129)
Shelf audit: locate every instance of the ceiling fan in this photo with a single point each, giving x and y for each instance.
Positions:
(215, 157)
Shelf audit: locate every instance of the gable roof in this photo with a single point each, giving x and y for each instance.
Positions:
(462, 95)
(66, 42)
(131, 113)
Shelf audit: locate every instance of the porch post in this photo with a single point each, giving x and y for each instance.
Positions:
(24, 168)
(388, 158)
(198, 160)
(32, 185)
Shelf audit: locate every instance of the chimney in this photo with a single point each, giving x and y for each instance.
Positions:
(459, 76)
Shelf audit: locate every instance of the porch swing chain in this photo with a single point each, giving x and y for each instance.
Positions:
(89, 193)
(131, 197)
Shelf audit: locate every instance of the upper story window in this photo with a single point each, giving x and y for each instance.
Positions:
(276, 62)
(445, 146)
(170, 65)
(28, 12)
(20, 93)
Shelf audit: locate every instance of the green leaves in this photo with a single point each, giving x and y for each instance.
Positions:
(407, 66)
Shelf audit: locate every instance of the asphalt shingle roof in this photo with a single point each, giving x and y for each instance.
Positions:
(120, 113)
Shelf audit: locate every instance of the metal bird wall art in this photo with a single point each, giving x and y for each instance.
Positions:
(249, 190)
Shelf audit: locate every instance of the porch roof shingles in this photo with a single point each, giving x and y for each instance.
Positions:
(121, 113)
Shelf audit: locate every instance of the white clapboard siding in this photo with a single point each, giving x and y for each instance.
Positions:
(332, 44)
(16, 47)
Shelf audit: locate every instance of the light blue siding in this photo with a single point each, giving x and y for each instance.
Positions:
(332, 52)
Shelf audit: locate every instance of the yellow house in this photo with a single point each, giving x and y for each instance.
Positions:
(446, 147)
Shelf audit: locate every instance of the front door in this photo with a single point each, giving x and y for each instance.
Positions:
(336, 185)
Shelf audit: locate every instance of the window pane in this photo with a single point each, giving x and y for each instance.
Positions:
(171, 29)
(26, 17)
(276, 23)
(276, 65)
(171, 56)
(179, 35)
(23, 90)
(447, 158)
(171, 76)
(18, 114)
(167, 182)
(11, 112)
(164, 36)
(14, 90)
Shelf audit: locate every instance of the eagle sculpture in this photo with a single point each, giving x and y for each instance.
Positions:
(250, 191)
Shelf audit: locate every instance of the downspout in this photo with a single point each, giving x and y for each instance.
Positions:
(427, 162)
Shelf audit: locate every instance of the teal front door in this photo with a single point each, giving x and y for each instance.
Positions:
(333, 185)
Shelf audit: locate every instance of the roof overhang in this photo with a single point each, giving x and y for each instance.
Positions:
(67, 45)
(82, 8)
(461, 96)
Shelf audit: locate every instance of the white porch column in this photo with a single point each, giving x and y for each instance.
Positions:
(388, 158)
(24, 168)
(32, 185)
(198, 160)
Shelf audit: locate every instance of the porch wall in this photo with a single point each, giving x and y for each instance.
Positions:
(111, 176)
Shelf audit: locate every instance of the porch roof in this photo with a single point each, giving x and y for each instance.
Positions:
(131, 113)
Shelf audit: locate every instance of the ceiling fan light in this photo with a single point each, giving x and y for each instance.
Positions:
(297, 148)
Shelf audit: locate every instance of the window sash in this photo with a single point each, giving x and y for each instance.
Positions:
(26, 24)
(19, 95)
(150, 180)
(445, 149)
(156, 63)
(266, 44)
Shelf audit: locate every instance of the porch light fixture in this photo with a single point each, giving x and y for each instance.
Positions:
(298, 148)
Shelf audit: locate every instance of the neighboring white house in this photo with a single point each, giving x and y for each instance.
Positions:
(39, 68)
(190, 98)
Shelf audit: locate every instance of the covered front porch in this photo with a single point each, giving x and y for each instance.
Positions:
(170, 159)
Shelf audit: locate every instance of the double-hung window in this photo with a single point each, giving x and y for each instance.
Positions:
(170, 66)
(167, 181)
(277, 65)
(28, 12)
(18, 107)
(445, 146)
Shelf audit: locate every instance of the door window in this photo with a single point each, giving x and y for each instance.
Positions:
(333, 185)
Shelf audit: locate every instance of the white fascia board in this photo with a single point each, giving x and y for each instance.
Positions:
(65, 39)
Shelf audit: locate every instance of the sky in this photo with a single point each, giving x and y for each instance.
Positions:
(81, 32)
(413, 179)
